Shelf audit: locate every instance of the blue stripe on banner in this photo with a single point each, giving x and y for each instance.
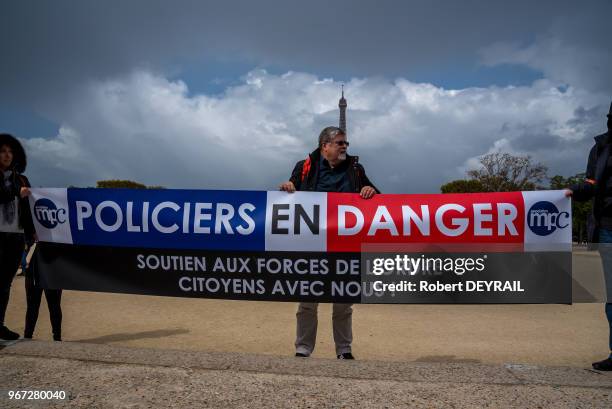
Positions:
(189, 219)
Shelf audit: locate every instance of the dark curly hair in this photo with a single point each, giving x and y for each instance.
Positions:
(20, 161)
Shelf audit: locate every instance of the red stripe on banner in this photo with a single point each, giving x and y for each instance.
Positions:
(490, 221)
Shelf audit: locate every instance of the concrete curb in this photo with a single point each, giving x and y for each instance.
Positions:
(585, 253)
(459, 373)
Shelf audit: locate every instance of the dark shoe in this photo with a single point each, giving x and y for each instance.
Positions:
(301, 355)
(8, 335)
(605, 365)
(57, 337)
(27, 336)
(346, 355)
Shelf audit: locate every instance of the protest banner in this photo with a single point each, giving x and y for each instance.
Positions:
(510, 247)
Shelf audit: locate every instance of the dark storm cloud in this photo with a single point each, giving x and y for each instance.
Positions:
(48, 48)
(533, 139)
(589, 120)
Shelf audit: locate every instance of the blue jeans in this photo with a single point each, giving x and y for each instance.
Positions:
(605, 250)
(24, 260)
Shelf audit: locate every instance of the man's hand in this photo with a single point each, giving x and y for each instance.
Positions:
(24, 191)
(287, 187)
(569, 192)
(367, 192)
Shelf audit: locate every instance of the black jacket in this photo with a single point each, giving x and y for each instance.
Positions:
(9, 194)
(356, 173)
(594, 186)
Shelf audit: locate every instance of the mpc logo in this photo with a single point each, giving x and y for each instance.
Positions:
(47, 213)
(544, 218)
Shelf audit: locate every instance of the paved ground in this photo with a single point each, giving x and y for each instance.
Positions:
(100, 376)
(537, 334)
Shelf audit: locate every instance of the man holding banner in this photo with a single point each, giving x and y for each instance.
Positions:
(328, 169)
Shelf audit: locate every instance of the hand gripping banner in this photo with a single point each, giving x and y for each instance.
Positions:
(511, 247)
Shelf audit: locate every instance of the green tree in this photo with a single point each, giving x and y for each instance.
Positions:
(118, 184)
(463, 186)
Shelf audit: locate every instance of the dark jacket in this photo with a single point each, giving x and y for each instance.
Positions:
(8, 194)
(593, 187)
(306, 180)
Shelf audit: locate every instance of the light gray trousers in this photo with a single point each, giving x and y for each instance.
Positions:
(342, 321)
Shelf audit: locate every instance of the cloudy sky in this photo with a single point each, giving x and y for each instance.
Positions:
(231, 94)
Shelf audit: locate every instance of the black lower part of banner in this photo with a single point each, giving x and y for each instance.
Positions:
(305, 276)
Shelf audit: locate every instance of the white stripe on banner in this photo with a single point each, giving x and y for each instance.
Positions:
(49, 209)
(548, 221)
(296, 222)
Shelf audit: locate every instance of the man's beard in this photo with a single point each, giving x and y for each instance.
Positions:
(342, 156)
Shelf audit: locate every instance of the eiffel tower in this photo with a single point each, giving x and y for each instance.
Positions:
(342, 105)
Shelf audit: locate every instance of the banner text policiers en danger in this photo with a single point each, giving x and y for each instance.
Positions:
(325, 247)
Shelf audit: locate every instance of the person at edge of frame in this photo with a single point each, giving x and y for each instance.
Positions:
(34, 292)
(328, 169)
(598, 187)
(15, 220)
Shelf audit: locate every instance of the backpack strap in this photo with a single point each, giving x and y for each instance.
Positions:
(305, 169)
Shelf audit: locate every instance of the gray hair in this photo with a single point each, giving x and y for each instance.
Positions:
(328, 134)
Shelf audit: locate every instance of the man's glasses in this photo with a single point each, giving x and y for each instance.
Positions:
(342, 143)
